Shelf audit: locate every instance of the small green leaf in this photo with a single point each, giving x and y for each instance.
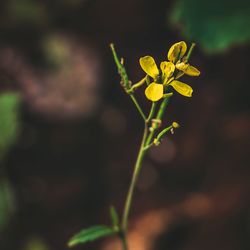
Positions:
(90, 234)
(114, 216)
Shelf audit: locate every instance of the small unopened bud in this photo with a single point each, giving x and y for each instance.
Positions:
(175, 125)
(156, 142)
(156, 123)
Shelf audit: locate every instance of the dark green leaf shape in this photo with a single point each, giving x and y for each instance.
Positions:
(114, 216)
(214, 25)
(90, 234)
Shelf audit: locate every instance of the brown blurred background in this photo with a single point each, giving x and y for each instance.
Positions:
(69, 134)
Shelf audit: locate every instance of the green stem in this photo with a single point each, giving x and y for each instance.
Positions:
(121, 69)
(152, 111)
(159, 117)
(146, 140)
(163, 132)
(126, 84)
(123, 239)
(138, 107)
(138, 84)
(190, 51)
(136, 172)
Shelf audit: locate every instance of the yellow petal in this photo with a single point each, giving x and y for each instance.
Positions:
(167, 69)
(149, 66)
(182, 88)
(181, 66)
(154, 92)
(177, 51)
(188, 69)
(192, 71)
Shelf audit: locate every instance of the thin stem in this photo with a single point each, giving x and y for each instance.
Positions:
(138, 106)
(190, 51)
(152, 111)
(138, 84)
(179, 75)
(149, 146)
(159, 117)
(123, 239)
(136, 172)
(121, 69)
(126, 84)
(163, 132)
(146, 141)
(162, 108)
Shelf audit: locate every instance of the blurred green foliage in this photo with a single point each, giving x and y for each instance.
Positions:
(7, 205)
(36, 243)
(9, 124)
(214, 25)
(26, 11)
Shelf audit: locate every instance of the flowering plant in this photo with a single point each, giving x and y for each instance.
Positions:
(159, 84)
(167, 76)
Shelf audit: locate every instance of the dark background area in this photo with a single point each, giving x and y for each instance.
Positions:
(69, 134)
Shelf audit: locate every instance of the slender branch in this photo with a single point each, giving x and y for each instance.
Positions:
(136, 172)
(179, 75)
(126, 84)
(121, 69)
(163, 132)
(149, 146)
(190, 52)
(158, 117)
(138, 106)
(145, 145)
(138, 84)
(146, 141)
(123, 239)
(152, 112)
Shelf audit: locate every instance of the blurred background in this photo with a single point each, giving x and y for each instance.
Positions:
(69, 134)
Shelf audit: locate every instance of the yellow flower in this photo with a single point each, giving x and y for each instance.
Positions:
(154, 92)
(176, 54)
(165, 76)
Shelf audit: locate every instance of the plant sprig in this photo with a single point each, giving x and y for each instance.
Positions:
(158, 84)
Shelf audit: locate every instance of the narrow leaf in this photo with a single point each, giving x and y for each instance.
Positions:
(90, 234)
(114, 216)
